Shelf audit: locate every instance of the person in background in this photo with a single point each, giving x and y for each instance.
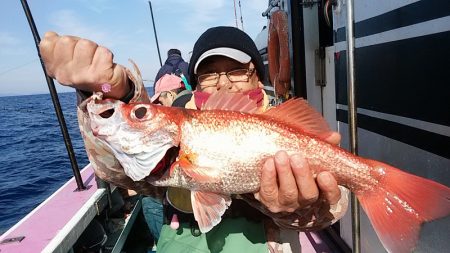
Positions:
(173, 65)
(169, 88)
(301, 202)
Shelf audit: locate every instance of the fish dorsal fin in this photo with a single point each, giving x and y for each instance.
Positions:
(299, 113)
(223, 100)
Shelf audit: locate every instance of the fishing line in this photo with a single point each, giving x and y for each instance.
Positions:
(26, 110)
(18, 67)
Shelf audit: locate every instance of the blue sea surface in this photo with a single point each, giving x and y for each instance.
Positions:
(33, 158)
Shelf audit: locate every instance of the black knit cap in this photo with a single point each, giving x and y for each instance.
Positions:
(225, 37)
(173, 51)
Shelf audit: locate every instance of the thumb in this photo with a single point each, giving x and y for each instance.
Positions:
(119, 83)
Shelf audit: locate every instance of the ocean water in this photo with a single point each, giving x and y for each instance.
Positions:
(33, 158)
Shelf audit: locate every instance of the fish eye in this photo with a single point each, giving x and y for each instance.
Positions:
(140, 112)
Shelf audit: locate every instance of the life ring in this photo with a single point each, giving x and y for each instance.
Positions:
(278, 53)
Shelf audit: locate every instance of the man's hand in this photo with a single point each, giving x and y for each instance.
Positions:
(82, 64)
(287, 183)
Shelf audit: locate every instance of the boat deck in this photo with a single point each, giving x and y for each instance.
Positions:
(49, 227)
(312, 242)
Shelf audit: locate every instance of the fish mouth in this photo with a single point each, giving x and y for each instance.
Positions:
(161, 171)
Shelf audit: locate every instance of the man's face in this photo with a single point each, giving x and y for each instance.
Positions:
(222, 64)
(166, 98)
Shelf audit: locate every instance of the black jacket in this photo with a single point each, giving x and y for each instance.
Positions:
(173, 64)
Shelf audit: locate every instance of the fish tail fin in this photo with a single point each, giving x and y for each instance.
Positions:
(400, 204)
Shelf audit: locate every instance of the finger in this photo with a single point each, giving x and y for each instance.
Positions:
(50, 38)
(288, 191)
(48, 44)
(50, 34)
(62, 58)
(102, 65)
(334, 138)
(307, 187)
(329, 187)
(120, 87)
(84, 53)
(63, 51)
(103, 58)
(268, 192)
(46, 47)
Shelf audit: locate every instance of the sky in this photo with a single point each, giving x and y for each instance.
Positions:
(125, 27)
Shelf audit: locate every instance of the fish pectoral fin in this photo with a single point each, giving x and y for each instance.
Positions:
(208, 208)
(200, 174)
(173, 167)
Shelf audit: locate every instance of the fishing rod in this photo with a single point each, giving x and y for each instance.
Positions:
(55, 100)
(352, 114)
(235, 15)
(242, 19)
(154, 30)
(183, 78)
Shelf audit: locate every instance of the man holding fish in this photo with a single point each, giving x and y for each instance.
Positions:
(283, 161)
(288, 187)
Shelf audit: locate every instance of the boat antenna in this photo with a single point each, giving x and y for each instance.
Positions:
(154, 30)
(56, 104)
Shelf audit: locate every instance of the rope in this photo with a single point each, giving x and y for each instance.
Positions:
(326, 14)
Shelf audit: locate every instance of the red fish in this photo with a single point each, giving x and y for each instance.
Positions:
(222, 152)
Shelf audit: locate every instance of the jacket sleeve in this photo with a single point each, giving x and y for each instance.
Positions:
(105, 165)
(314, 217)
(184, 67)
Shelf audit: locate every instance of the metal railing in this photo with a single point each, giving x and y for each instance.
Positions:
(352, 114)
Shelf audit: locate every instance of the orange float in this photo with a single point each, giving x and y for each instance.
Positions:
(278, 53)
